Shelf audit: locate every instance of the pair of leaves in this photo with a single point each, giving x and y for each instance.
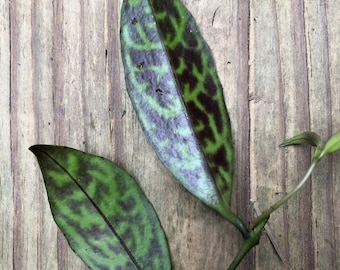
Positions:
(174, 88)
(313, 139)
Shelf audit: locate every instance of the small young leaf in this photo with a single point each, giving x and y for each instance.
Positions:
(307, 137)
(172, 82)
(332, 145)
(102, 212)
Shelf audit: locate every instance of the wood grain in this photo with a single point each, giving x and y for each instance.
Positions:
(62, 82)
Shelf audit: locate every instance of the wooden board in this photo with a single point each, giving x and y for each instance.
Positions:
(61, 82)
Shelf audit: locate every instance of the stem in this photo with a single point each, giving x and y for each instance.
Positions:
(249, 243)
(265, 215)
(236, 221)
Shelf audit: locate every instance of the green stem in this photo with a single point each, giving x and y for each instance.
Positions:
(236, 221)
(252, 238)
(265, 215)
(249, 243)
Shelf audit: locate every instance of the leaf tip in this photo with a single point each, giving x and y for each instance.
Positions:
(33, 148)
(39, 149)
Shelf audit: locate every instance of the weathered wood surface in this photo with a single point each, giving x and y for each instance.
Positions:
(61, 82)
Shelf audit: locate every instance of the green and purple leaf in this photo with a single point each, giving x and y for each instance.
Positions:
(104, 215)
(172, 82)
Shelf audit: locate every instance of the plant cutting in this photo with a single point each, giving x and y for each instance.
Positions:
(173, 85)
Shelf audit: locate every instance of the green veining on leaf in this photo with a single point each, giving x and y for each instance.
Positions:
(191, 107)
(152, 105)
(184, 103)
(203, 95)
(102, 212)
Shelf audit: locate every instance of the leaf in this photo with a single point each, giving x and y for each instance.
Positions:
(332, 145)
(102, 212)
(172, 82)
(307, 137)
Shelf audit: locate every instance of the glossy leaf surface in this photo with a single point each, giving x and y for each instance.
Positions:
(174, 88)
(102, 212)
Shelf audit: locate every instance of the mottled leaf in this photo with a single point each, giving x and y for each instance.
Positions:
(102, 212)
(307, 137)
(172, 81)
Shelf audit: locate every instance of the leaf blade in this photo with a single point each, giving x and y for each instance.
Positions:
(332, 145)
(307, 137)
(181, 109)
(204, 99)
(102, 212)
